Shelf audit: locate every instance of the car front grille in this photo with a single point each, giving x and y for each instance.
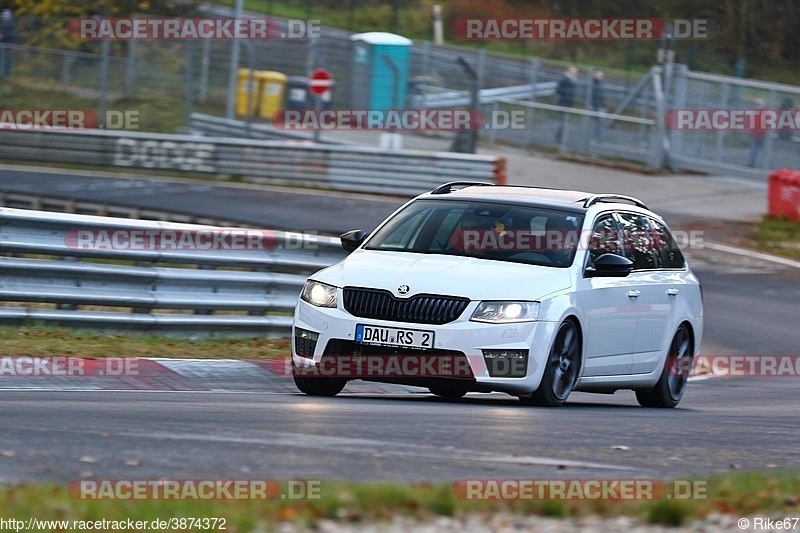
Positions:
(419, 309)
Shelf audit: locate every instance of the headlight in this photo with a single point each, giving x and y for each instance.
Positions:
(319, 294)
(501, 312)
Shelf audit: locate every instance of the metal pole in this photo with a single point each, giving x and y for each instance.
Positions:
(189, 81)
(311, 62)
(395, 80)
(587, 104)
(534, 76)
(395, 92)
(104, 63)
(234, 67)
(130, 70)
(317, 109)
(205, 62)
(252, 90)
(472, 135)
(766, 161)
(426, 58)
(438, 28)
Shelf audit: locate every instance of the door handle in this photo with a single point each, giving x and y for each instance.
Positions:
(634, 294)
(672, 292)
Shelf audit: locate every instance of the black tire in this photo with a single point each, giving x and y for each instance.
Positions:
(451, 392)
(561, 370)
(318, 386)
(672, 383)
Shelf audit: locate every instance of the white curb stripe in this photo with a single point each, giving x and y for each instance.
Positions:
(754, 255)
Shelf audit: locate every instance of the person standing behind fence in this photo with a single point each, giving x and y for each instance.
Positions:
(757, 135)
(566, 96)
(8, 34)
(598, 101)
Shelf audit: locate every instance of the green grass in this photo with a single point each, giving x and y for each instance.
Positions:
(739, 494)
(156, 113)
(49, 341)
(777, 236)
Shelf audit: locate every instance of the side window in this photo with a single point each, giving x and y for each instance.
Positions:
(638, 241)
(671, 255)
(605, 238)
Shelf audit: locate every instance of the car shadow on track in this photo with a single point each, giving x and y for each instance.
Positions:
(478, 401)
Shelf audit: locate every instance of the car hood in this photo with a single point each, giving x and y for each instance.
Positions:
(476, 279)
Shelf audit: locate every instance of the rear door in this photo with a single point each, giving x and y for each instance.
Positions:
(654, 283)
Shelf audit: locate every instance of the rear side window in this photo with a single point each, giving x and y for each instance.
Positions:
(639, 241)
(671, 256)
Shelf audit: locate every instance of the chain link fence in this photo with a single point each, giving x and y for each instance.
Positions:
(629, 126)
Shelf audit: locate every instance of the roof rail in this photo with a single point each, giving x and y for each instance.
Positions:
(597, 198)
(448, 187)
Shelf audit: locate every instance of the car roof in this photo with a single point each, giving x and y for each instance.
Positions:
(542, 196)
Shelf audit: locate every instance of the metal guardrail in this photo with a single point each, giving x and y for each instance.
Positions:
(212, 126)
(436, 97)
(151, 289)
(356, 168)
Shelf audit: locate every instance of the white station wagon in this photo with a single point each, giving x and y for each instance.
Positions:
(529, 291)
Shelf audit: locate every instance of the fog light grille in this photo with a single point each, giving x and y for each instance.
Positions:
(506, 363)
(305, 342)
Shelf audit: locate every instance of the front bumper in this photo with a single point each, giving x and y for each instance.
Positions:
(468, 338)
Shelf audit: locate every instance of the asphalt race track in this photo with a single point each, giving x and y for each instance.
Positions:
(277, 208)
(722, 423)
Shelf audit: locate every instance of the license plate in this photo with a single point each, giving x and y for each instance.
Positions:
(380, 336)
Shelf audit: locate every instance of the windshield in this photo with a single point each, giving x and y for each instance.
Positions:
(501, 232)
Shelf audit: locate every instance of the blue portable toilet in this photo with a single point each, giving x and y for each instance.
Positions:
(380, 70)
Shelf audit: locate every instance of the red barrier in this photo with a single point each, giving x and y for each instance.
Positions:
(500, 164)
(784, 194)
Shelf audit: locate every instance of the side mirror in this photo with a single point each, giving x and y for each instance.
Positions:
(610, 266)
(353, 239)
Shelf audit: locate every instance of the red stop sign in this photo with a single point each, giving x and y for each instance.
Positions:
(320, 81)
